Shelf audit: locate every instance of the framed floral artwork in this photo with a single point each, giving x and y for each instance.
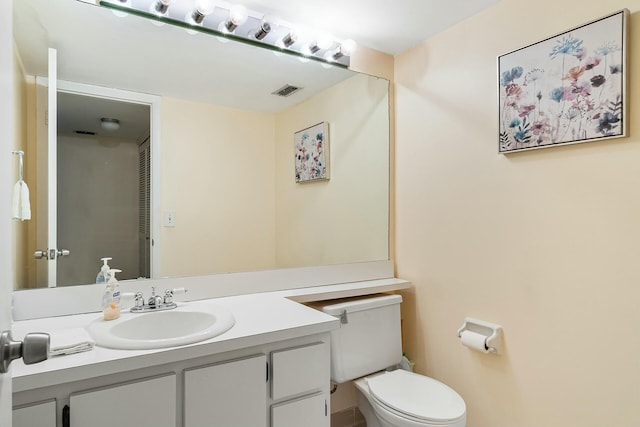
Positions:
(567, 89)
(311, 147)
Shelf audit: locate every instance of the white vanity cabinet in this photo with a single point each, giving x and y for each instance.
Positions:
(274, 384)
(229, 394)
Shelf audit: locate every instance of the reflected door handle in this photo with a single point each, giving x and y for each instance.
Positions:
(34, 349)
(51, 253)
(63, 252)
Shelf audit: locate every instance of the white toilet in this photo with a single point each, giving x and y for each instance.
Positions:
(367, 343)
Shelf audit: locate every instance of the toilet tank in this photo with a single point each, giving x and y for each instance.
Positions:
(369, 341)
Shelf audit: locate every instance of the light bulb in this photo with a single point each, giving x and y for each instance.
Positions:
(289, 39)
(347, 47)
(267, 24)
(203, 8)
(238, 14)
(324, 41)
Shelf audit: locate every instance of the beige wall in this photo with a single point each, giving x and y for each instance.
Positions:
(543, 242)
(97, 207)
(344, 219)
(217, 170)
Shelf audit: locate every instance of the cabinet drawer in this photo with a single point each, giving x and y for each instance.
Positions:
(310, 411)
(300, 370)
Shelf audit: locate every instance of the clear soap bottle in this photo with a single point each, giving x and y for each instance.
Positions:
(104, 274)
(111, 297)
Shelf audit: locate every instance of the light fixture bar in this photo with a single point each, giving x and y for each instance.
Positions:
(235, 24)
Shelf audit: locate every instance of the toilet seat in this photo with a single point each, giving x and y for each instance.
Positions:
(417, 398)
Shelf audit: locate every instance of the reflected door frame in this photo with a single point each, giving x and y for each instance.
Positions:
(154, 103)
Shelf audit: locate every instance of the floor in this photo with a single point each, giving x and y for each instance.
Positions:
(348, 418)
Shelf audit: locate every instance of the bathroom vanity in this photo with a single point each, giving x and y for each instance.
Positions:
(271, 369)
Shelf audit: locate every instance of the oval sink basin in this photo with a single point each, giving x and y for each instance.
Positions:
(186, 324)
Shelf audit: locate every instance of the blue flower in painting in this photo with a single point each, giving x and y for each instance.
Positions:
(514, 123)
(567, 46)
(615, 69)
(511, 75)
(607, 123)
(557, 94)
(607, 48)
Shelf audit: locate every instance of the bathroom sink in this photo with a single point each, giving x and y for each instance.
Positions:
(187, 324)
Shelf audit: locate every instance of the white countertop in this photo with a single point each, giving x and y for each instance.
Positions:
(260, 319)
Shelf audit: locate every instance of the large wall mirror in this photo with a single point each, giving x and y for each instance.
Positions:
(201, 181)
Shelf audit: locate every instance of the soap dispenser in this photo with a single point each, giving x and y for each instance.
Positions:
(111, 297)
(104, 274)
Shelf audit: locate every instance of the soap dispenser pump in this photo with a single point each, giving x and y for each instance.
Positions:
(105, 272)
(111, 298)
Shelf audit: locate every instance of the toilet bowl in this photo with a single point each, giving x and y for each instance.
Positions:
(406, 399)
(366, 344)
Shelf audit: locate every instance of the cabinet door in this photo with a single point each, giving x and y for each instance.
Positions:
(229, 394)
(310, 411)
(145, 403)
(38, 415)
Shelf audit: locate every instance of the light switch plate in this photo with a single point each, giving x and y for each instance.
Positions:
(169, 219)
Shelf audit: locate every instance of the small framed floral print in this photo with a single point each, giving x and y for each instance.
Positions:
(567, 89)
(311, 147)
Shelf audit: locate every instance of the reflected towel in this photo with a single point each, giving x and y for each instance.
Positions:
(21, 207)
(69, 341)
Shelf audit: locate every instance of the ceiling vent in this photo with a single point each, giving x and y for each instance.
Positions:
(286, 90)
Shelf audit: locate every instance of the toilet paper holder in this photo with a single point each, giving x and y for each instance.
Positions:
(490, 331)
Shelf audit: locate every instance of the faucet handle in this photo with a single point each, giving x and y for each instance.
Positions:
(139, 299)
(169, 293)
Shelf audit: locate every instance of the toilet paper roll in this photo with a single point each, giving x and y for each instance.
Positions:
(474, 341)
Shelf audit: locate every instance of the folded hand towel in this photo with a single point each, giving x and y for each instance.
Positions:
(21, 206)
(69, 341)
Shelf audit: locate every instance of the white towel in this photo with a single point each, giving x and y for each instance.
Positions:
(21, 206)
(69, 341)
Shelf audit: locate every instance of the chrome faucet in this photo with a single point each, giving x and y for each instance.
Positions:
(155, 302)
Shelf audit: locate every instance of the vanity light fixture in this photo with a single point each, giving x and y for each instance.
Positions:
(110, 124)
(203, 8)
(237, 16)
(234, 22)
(160, 7)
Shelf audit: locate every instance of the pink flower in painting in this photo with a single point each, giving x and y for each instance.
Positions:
(525, 110)
(592, 62)
(513, 89)
(540, 127)
(568, 94)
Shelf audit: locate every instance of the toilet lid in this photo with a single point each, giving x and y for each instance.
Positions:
(417, 396)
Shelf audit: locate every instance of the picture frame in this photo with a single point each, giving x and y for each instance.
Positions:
(311, 153)
(566, 89)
